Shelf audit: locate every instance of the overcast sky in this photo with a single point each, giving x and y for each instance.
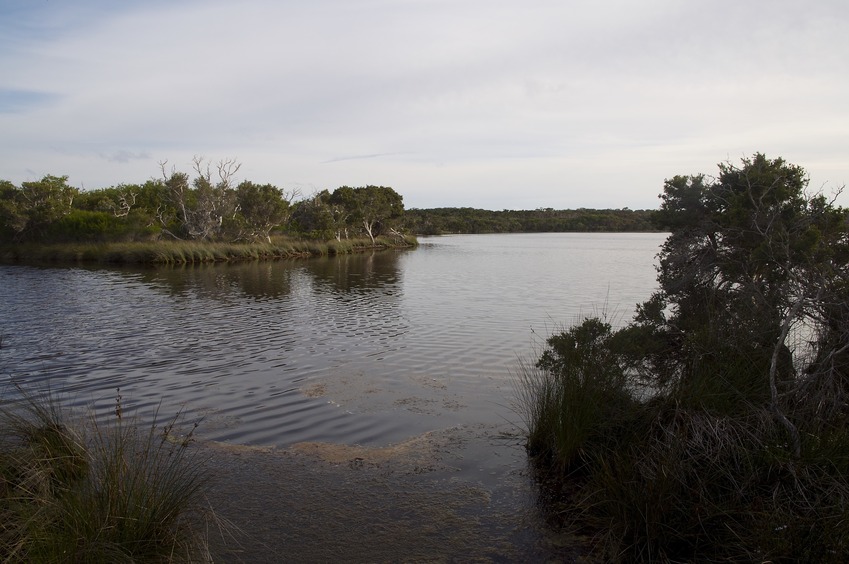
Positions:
(484, 103)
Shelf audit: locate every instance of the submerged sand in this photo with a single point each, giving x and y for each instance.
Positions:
(408, 502)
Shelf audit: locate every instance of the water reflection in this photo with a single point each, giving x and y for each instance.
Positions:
(387, 345)
(266, 280)
(357, 273)
(254, 279)
(232, 342)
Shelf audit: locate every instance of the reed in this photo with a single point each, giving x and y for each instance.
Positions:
(103, 490)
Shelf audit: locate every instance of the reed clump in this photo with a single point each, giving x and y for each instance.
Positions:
(98, 489)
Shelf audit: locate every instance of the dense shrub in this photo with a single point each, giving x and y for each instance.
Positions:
(713, 426)
(82, 225)
(207, 207)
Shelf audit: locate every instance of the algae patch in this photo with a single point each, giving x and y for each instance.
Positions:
(422, 453)
(358, 392)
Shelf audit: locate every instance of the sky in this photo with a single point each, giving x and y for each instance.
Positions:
(491, 104)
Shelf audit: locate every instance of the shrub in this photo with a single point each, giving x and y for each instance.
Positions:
(83, 225)
(704, 430)
(573, 395)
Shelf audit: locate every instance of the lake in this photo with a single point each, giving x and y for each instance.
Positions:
(365, 349)
(369, 349)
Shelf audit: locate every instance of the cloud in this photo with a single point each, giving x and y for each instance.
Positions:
(359, 157)
(123, 156)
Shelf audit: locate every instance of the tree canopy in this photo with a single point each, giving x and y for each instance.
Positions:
(206, 205)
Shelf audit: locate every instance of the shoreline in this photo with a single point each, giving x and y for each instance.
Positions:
(189, 252)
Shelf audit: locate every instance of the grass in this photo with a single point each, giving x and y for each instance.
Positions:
(189, 252)
(103, 490)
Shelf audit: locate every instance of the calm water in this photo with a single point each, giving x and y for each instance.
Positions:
(369, 349)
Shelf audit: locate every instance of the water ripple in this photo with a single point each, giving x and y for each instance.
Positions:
(365, 349)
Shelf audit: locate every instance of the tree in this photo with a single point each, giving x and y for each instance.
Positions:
(750, 257)
(12, 220)
(29, 211)
(201, 208)
(374, 208)
(261, 208)
(316, 217)
(736, 375)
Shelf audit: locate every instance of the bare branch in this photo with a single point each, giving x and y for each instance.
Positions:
(126, 200)
(227, 169)
(162, 165)
(197, 166)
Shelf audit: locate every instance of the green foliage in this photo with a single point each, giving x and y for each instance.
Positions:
(12, 221)
(180, 206)
(318, 219)
(82, 225)
(376, 209)
(572, 396)
(27, 212)
(718, 432)
(261, 208)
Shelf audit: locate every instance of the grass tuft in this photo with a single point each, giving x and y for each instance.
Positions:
(104, 490)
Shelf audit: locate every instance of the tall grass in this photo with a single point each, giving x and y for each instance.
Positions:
(102, 490)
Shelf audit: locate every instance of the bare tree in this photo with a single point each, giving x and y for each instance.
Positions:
(202, 207)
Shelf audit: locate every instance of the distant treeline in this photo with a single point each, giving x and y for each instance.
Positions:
(439, 221)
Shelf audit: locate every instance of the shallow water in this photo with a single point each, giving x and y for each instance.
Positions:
(368, 350)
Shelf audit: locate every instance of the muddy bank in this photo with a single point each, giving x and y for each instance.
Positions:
(414, 501)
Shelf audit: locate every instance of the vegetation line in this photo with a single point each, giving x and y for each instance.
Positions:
(256, 220)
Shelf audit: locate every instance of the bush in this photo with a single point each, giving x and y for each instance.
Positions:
(573, 395)
(713, 427)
